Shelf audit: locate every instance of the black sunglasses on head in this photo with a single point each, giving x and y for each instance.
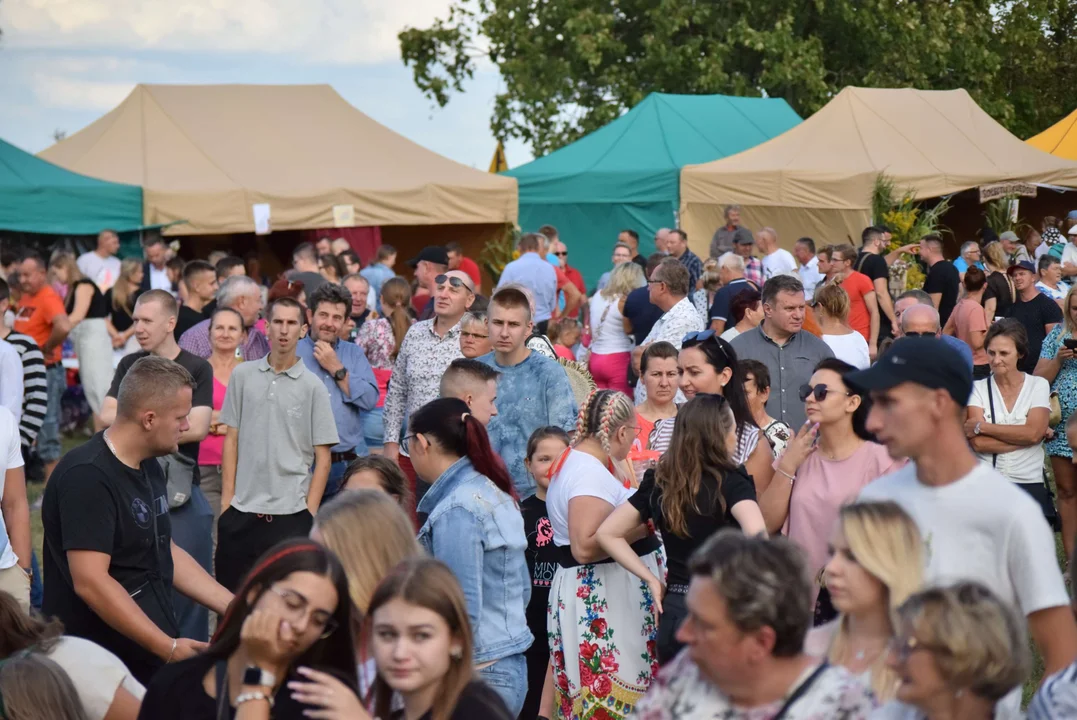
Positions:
(453, 281)
(820, 392)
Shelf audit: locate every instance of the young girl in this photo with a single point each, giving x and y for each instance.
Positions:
(564, 334)
(543, 448)
(35, 688)
(421, 640)
(374, 472)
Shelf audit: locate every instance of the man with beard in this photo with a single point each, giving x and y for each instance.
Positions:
(343, 370)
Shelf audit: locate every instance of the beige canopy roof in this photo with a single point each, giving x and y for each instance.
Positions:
(816, 178)
(207, 153)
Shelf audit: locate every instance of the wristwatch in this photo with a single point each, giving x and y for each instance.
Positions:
(257, 677)
(340, 374)
(976, 430)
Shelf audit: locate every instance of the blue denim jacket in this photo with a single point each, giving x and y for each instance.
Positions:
(478, 531)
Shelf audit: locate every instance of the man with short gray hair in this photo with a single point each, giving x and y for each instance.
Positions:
(731, 273)
(970, 255)
(756, 592)
(243, 295)
(725, 237)
(917, 316)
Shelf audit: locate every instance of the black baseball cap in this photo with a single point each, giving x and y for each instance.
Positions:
(432, 253)
(926, 361)
(1023, 265)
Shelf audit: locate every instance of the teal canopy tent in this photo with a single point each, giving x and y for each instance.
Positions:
(626, 175)
(39, 197)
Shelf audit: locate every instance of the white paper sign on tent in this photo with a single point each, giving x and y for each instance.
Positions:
(261, 218)
(343, 216)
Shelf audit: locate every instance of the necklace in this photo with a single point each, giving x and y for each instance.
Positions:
(111, 447)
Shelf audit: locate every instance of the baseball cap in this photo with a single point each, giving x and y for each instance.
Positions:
(431, 253)
(925, 361)
(1072, 214)
(1072, 230)
(1023, 265)
(1009, 235)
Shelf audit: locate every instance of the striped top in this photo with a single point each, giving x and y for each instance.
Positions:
(747, 439)
(1057, 697)
(35, 389)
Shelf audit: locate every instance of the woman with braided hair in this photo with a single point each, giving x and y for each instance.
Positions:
(603, 624)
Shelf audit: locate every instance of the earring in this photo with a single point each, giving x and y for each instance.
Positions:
(456, 653)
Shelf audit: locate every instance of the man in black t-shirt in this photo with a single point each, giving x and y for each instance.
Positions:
(872, 262)
(200, 278)
(109, 560)
(192, 522)
(943, 279)
(1037, 312)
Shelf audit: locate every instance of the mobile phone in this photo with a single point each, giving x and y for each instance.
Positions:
(1070, 343)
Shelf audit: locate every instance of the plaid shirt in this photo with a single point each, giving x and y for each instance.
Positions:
(694, 266)
(753, 271)
(196, 342)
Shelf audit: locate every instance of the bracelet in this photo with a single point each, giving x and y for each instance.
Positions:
(253, 695)
(174, 641)
(783, 472)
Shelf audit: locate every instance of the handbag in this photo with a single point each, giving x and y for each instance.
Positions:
(1056, 411)
(179, 473)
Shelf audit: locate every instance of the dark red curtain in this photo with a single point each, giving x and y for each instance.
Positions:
(365, 241)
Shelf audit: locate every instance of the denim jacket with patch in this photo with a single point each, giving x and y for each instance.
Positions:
(478, 531)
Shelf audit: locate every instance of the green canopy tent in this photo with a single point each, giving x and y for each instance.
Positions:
(39, 197)
(626, 175)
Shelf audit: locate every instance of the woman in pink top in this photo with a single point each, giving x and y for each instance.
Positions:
(823, 467)
(226, 333)
(969, 323)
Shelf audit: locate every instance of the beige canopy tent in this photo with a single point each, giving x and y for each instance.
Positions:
(206, 154)
(816, 178)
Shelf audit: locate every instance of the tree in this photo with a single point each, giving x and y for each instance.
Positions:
(571, 66)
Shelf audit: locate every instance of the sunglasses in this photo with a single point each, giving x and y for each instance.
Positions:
(561, 254)
(919, 334)
(819, 391)
(453, 282)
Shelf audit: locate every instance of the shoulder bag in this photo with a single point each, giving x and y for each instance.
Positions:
(179, 473)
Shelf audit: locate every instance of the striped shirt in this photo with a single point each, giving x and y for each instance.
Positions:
(1057, 697)
(35, 388)
(747, 439)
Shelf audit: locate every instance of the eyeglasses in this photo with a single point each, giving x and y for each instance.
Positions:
(920, 334)
(699, 336)
(652, 282)
(405, 442)
(820, 392)
(453, 282)
(473, 336)
(297, 605)
(904, 647)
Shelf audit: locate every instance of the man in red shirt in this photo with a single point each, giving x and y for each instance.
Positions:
(41, 315)
(863, 303)
(573, 275)
(459, 261)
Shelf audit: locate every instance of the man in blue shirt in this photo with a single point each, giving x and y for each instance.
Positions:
(343, 369)
(377, 272)
(532, 271)
(916, 317)
(532, 392)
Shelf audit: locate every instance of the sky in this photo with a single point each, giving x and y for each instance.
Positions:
(65, 63)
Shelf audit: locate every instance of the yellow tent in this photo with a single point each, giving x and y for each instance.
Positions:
(207, 154)
(1060, 139)
(816, 178)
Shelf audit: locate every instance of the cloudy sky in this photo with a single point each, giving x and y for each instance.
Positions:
(64, 63)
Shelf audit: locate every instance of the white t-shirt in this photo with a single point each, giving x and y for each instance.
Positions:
(159, 279)
(1024, 465)
(10, 457)
(779, 262)
(1069, 253)
(580, 475)
(607, 333)
(984, 529)
(730, 333)
(102, 270)
(95, 672)
(851, 348)
(11, 380)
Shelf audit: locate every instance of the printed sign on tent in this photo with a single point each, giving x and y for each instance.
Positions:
(261, 219)
(343, 216)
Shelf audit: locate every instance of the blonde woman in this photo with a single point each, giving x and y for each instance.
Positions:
(832, 311)
(959, 651)
(87, 310)
(706, 288)
(371, 535)
(611, 346)
(120, 299)
(876, 563)
(1000, 293)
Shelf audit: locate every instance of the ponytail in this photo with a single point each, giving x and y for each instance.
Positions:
(395, 296)
(483, 457)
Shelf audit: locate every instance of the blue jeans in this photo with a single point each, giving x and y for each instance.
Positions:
(48, 439)
(336, 479)
(508, 678)
(192, 529)
(374, 428)
(37, 590)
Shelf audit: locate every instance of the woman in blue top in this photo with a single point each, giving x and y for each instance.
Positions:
(472, 523)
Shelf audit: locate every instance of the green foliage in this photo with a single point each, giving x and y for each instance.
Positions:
(499, 252)
(909, 222)
(570, 66)
(997, 215)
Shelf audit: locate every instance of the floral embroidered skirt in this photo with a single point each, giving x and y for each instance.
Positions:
(603, 629)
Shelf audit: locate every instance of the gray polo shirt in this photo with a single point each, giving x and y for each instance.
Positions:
(790, 365)
(280, 418)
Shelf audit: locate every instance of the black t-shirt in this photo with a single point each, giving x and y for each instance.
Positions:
(736, 486)
(477, 702)
(641, 312)
(121, 319)
(186, 319)
(177, 693)
(200, 370)
(943, 278)
(641, 261)
(875, 267)
(999, 287)
(98, 307)
(1035, 314)
(209, 309)
(95, 502)
(541, 561)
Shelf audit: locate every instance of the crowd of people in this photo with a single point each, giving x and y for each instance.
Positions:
(782, 491)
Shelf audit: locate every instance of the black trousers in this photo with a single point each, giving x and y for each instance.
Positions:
(242, 538)
(674, 611)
